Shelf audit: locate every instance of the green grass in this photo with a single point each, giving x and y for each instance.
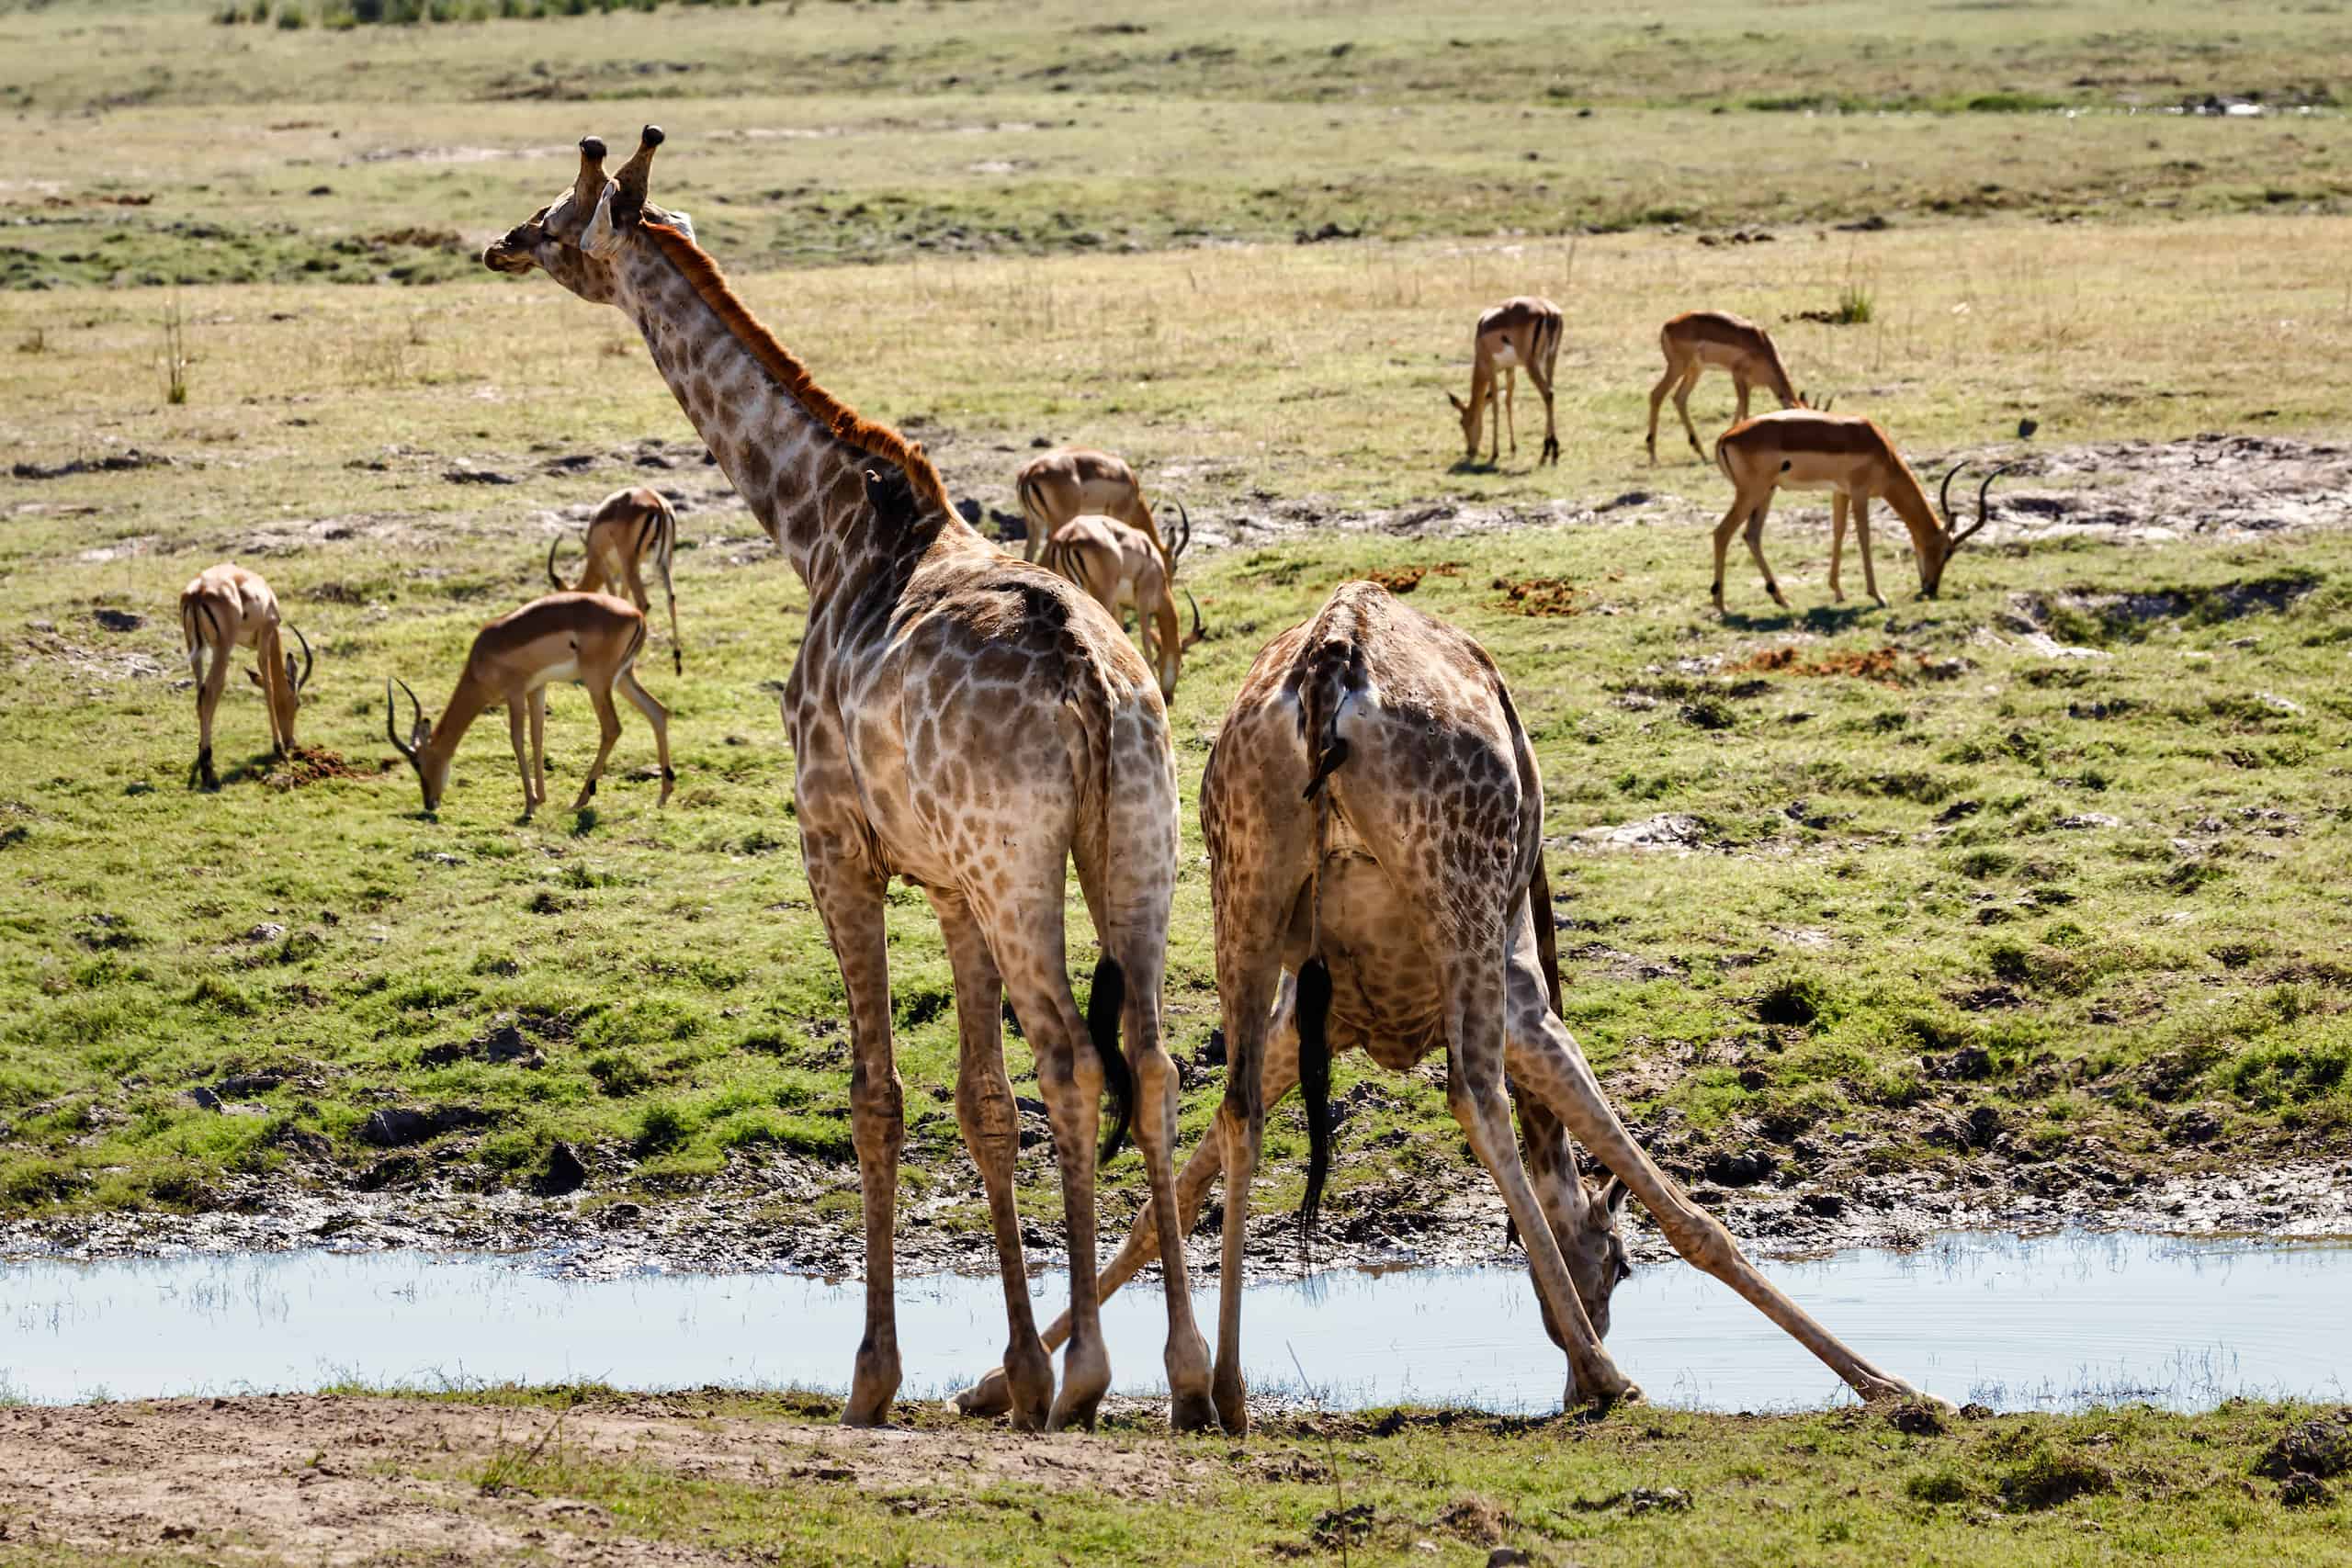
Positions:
(2117, 1485)
(667, 967)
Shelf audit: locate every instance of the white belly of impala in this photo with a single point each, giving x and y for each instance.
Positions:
(1505, 357)
(567, 670)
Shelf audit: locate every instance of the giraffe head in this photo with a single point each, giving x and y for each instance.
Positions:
(1590, 1244)
(578, 238)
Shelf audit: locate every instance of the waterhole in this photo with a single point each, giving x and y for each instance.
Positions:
(2048, 1323)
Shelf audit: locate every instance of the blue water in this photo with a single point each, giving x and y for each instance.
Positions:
(2047, 1323)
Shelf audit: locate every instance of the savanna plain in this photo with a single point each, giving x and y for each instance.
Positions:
(2020, 906)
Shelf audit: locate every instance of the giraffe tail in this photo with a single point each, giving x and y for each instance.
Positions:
(1090, 708)
(1313, 1013)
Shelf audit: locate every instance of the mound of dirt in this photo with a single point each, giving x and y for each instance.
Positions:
(1881, 664)
(310, 764)
(1538, 596)
(1405, 579)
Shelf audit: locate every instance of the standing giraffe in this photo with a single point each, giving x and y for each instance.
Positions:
(959, 720)
(1374, 824)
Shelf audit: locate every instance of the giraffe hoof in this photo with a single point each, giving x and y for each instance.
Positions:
(991, 1396)
(1191, 1413)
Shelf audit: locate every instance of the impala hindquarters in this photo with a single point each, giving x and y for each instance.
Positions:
(224, 608)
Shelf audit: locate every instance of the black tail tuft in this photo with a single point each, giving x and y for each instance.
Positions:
(1325, 766)
(1314, 1008)
(1102, 1011)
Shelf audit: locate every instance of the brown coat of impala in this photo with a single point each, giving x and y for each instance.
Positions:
(1375, 822)
(1698, 340)
(1074, 481)
(224, 608)
(593, 639)
(960, 720)
(1115, 564)
(1522, 334)
(1855, 460)
(630, 528)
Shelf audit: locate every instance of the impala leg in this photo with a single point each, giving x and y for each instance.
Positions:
(517, 725)
(1739, 387)
(207, 703)
(848, 895)
(1511, 406)
(1837, 544)
(1862, 538)
(1724, 531)
(1545, 1063)
(1542, 380)
(1754, 533)
(537, 785)
(270, 676)
(991, 1128)
(659, 717)
(1682, 406)
(608, 724)
(1657, 400)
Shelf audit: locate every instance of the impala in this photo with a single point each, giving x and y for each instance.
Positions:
(1854, 459)
(1521, 333)
(1698, 340)
(630, 527)
(593, 639)
(1114, 564)
(1055, 486)
(224, 608)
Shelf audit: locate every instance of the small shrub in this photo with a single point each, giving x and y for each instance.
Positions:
(661, 1129)
(619, 1076)
(1855, 306)
(1794, 1002)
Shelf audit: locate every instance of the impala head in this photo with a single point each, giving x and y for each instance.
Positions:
(1469, 413)
(286, 700)
(576, 238)
(1935, 557)
(1593, 1250)
(432, 769)
(1804, 401)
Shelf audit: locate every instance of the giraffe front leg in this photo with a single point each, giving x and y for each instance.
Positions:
(848, 895)
(1546, 1064)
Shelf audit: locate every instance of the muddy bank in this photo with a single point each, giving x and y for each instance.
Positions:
(734, 1225)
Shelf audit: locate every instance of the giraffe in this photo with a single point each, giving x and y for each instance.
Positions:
(960, 719)
(1374, 819)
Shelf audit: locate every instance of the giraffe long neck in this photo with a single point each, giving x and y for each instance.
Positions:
(801, 480)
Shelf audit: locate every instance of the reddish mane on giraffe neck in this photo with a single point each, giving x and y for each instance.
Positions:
(846, 423)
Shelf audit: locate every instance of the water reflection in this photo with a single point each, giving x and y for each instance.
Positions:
(2047, 1323)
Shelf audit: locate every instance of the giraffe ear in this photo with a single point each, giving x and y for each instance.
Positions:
(683, 224)
(603, 238)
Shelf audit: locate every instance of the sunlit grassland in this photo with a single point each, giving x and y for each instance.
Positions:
(668, 963)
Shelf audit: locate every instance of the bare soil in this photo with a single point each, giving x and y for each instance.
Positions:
(331, 1479)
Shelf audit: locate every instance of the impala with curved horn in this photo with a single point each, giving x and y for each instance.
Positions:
(1854, 459)
(1077, 481)
(593, 639)
(630, 527)
(224, 608)
(1698, 340)
(1114, 564)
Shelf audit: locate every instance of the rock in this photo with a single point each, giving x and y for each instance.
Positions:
(118, 620)
(2312, 1448)
(241, 1085)
(396, 1127)
(1743, 1170)
(202, 1098)
(395, 1170)
(268, 930)
(1823, 1205)
(2304, 1492)
(1508, 1557)
(563, 1173)
(1666, 831)
(1663, 1499)
(1967, 1065)
(1916, 1417)
(478, 477)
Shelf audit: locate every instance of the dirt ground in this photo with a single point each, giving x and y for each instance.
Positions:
(329, 1479)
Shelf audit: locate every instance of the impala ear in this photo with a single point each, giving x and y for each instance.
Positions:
(254, 676)
(1459, 406)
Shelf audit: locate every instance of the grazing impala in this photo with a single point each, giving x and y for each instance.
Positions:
(1521, 333)
(1056, 486)
(224, 608)
(630, 527)
(1698, 340)
(593, 639)
(1114, 564)
(1852, 459)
